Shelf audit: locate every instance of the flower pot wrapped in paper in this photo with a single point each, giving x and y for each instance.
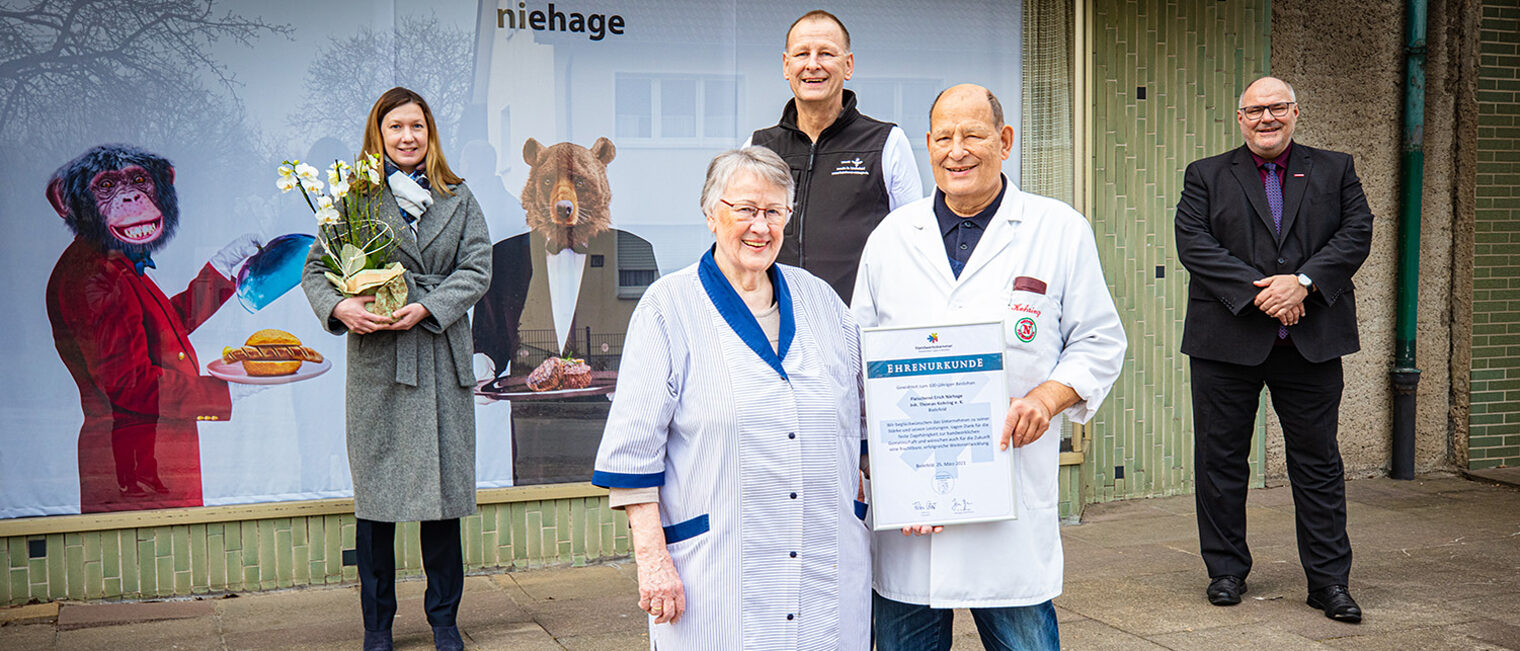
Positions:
(358, 270)
(356, 244)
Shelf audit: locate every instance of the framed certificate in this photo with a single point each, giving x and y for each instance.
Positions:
(936, 398)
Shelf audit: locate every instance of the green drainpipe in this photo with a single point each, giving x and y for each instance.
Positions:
(1405, 377)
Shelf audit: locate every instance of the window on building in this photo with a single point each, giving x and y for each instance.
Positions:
(908, 100)
(688, 109)
(635, 107)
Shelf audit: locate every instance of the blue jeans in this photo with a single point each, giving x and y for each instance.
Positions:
(910, 627)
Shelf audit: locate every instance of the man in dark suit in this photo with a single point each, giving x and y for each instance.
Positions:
(1271, 234)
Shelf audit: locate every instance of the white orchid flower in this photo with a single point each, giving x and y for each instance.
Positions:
(373, 175)
(340, 189)
(324, 201)
(312, 184)
(286, 182)
(286, 171)
(306, 171)
(336, 172)
(327, 214)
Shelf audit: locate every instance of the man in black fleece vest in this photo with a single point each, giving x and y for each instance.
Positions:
(851, 170)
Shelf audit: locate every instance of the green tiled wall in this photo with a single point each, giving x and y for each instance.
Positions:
(1069, 492)
(284, 552)
(1193, 59)
(1494, 423)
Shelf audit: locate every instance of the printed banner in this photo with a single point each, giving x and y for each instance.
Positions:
(159, 353)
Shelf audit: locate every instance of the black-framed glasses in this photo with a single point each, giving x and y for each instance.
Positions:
(1278, 109)
(775, 215)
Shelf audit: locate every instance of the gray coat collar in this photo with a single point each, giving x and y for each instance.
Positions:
(445, 209)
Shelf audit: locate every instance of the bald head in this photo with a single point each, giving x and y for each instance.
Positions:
(1267, 115)
(968, 143)
(1267, 83)
(992, 101)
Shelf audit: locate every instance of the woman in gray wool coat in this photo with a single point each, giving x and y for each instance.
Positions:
(411, 417)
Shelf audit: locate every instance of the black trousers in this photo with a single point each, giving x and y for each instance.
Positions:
(1307, 398)
(442, 560)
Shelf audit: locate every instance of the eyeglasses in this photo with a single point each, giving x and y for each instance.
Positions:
(1278, 110)
(774, 216)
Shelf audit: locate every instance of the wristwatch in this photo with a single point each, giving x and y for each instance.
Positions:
(1304, 282)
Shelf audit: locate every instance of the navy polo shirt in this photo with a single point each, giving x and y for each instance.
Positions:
(962, 233)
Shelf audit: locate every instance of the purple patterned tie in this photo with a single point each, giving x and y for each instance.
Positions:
(1274, 201)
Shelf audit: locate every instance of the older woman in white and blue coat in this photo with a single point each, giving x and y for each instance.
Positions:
(734, 440)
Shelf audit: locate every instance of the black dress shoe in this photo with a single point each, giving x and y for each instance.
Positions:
(446, 638)
(1337, 603)
(1226, 590)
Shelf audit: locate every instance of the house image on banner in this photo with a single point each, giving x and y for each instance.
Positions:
(667, 93)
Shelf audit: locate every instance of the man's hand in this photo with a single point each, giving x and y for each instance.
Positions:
(359, 320)
(1028, 417)
(1291, 315)
(1027, 420)
(1279, 293)
(407, 316)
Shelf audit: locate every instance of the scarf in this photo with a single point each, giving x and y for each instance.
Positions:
(412, 192)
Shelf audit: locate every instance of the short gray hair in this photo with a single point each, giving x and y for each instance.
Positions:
(763, 162)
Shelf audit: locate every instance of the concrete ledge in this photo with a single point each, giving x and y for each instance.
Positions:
(28, 614)
(1509, 476)
(51, 524)
(77, 616)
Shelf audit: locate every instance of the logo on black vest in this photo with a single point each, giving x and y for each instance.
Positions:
(851, 166)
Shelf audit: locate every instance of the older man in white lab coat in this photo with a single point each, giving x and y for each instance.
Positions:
(981, 249)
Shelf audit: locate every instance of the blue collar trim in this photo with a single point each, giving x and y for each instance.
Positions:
(738, 316)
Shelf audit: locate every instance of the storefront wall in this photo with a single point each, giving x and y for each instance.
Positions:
(1160, 81)
(1191, 61)
(1164, 81)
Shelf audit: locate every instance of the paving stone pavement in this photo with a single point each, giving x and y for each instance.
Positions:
(1437, 567)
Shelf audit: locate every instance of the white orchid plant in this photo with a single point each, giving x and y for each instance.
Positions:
(356, 243)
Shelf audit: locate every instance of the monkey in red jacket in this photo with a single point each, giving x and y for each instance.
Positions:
(124, 341)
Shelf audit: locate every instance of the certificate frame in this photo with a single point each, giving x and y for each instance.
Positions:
(935, 399)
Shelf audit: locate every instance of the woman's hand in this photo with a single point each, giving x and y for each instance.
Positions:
(660, 591)
(357, 319)
(407, 316)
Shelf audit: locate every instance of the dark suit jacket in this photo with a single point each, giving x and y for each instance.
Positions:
(1226, 240)
(518, 299)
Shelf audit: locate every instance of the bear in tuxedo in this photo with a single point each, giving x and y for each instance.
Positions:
(565, 288)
